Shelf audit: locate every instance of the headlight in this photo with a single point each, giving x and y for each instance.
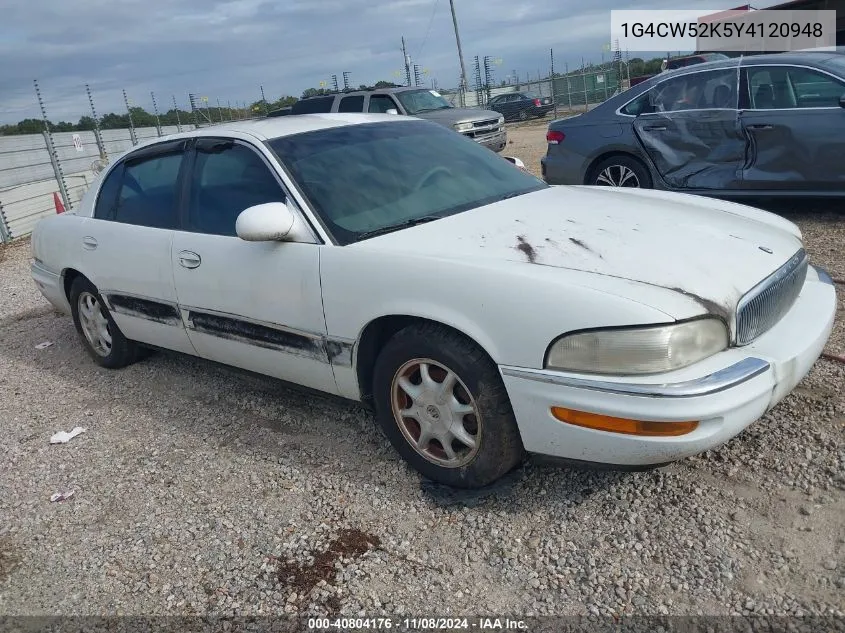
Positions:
(463, 127)
(501, 120)
(645, 350)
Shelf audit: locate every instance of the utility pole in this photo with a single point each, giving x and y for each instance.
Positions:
(406, 60)
(460, 51)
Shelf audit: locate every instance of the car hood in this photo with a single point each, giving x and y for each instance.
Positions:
(448, 116)
(710, 251)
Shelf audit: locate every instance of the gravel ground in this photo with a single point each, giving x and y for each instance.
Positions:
(199, 489)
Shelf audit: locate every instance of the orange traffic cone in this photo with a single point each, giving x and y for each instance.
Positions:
(60, 208)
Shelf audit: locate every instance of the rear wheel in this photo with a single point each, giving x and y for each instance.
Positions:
(441, 402)
(523, 115)
(100, 335)
(621, 171)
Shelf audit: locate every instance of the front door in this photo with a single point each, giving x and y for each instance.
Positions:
(796, 128)
(691, 130)
(126, 245)
(253, 305)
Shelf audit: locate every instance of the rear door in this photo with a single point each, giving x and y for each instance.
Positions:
(126, 245)
(353, 103)
(691, 132)
(796, 129)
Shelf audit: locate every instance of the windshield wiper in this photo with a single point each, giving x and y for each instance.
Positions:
(443, 107)
(399, 225)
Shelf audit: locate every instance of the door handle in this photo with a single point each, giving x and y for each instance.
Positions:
(655, 128)
(89, 243)
(761, 126)
(189, 259)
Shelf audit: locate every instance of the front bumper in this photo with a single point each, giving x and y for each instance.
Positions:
(495, 141)
(725, 392)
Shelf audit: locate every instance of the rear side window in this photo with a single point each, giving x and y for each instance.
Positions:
(313, 105)
(148, 191)
(695, 91)
(351, 104)
(108, 194)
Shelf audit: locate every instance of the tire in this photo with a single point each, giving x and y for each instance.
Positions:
(523, 115)
(120, 351)
(630, 169)
(478, 404)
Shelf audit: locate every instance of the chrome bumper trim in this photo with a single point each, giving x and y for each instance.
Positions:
(721, 380)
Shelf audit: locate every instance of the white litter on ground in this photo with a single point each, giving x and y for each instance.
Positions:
(63, 437)
(44, 344)
(61, 496)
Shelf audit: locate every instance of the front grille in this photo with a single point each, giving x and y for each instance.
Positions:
(486, 123)
(766, 303)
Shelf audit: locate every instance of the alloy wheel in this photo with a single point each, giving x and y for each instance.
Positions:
(95, 325)
(436, 413)
(617, 176)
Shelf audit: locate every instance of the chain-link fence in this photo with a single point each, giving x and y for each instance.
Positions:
(555, 92)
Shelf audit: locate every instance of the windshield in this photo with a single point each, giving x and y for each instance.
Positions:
(415, 101)
(367, 177)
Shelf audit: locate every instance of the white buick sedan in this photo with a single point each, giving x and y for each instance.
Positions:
(482, 313)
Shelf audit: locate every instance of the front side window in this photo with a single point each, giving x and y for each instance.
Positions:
(416, 101)
(148, 193)
(379, 104)
(364, 178)
(227, 179)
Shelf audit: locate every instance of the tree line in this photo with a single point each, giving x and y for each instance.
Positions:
(141, 118)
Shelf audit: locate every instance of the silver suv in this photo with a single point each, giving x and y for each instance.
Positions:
(483, 126)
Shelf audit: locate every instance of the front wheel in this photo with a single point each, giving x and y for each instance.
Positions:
(441, 402)
(621, 171)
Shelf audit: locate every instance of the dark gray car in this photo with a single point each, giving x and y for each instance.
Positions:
(762, 125)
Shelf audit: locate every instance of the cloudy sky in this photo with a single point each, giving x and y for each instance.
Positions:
(226, 49)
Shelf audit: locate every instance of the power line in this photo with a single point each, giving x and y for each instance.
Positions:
(428, 30)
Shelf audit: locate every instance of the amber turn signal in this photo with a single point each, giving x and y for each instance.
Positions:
(622, 425)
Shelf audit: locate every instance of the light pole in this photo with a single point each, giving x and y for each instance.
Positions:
(460, 53)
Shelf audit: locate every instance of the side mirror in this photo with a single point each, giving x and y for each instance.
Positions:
(842, 101)
(391, 111)
(515, 161)
(265, 222)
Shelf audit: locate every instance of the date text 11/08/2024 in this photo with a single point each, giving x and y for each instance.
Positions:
(412, 624)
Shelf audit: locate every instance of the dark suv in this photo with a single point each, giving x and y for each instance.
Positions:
(483, 126)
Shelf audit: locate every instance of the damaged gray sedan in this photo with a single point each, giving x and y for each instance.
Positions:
(767, 125)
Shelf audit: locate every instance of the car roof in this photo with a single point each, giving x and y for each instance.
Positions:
(369, 91)
(275, 127)
(813, 58)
